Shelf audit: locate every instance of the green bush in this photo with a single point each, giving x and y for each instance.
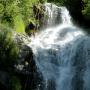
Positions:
(86, 10)
(8, 50)
(16, 13)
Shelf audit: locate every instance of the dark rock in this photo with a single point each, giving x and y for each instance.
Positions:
(26, 69)
(30, 28)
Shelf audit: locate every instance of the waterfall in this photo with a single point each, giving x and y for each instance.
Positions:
(55, 15)
(62, 52)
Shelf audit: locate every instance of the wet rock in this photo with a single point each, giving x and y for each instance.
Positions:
(26, 69)
(30, 28)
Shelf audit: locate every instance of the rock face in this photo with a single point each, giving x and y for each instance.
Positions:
(25, 57)
(26, 69)
(39, 11)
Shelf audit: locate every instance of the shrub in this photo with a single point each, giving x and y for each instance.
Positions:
(8, 50)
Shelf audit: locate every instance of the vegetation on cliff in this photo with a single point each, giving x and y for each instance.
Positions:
(17, 13)
(15, 16)
(8, 50)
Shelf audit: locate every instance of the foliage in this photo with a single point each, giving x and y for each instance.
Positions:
(16, 13)
(19, 24)
(8, 50)
(1, 10)
(86, 10)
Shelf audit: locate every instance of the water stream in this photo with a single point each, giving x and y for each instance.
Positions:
(62, 52)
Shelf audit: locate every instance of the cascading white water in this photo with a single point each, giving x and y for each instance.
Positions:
(62, 53)
(56, 15)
